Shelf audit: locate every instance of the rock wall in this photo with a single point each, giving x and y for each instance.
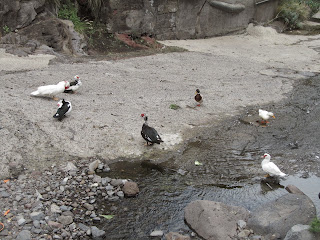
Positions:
(165, 19)
(183, 19)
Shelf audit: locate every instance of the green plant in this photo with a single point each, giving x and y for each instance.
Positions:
(6, 29)
(174, 106)
(315, 225)
(69, 11)
(313, 4)
(293, 12)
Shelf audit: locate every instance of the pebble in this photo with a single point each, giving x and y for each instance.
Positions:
(24, 235)
(241, 224)
(57, 204)
(156, 233)
(37, 215)
(97, 233)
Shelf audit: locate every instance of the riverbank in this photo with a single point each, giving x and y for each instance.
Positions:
(232, 72)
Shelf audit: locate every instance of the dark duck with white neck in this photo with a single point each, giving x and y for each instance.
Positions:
(149, 133)
(64, 107)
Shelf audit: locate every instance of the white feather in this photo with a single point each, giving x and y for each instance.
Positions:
(265, 115)
(50, 90)
(270, 167)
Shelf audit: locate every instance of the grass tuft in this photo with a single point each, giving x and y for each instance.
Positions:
(315, 225)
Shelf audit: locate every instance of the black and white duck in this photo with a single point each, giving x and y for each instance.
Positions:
(64, 107)
(74, 86)
(149, 133)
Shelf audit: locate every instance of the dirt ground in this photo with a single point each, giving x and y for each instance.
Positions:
(232, 72)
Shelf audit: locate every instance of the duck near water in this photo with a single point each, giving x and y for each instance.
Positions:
(51, 90)
(198, 97)
(74, 86)
(64, 107)
(149, 133)
(270, 168)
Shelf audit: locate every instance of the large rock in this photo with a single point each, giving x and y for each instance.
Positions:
(130, 189)
(280, 215)
(300, 232)
(214, 220)
(16, 14)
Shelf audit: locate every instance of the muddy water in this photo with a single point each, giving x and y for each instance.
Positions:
(229, 171)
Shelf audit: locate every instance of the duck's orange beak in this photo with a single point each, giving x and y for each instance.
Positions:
(273, 116)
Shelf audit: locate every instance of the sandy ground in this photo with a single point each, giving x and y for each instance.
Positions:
(232, 72)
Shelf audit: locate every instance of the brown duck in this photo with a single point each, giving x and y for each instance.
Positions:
(198, 97)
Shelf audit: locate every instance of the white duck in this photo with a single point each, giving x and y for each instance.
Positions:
(74, 85)
(270, 167)
(51, 90)
(265, 115)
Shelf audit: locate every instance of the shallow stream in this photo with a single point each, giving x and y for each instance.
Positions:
(230, 171)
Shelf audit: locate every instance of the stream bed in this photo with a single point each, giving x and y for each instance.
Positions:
(229, 154)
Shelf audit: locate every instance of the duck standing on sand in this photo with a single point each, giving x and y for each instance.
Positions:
(51, 90)
(64, 107)
(270, 168)
(74, 86)
(198, 97)
(265, 115)
(149, 133)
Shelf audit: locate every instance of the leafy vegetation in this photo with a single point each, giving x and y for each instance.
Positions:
(6, 29)
(174, 106)
(294, 12)
(315, 225)
(69, 11)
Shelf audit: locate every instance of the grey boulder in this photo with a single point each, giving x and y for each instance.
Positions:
(214, 220)
(280, 215)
